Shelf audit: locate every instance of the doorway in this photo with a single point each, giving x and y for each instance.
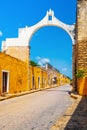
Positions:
(33, 84)
(5, 81)
(38, 82)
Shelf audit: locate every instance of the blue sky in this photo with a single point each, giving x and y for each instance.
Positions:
(50, 44)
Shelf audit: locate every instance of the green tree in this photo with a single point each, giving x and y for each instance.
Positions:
(33, 63)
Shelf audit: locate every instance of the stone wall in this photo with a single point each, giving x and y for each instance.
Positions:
(81, 45)
(81, 36)
(74, 67)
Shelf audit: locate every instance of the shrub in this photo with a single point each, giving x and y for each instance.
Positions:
(80, 73)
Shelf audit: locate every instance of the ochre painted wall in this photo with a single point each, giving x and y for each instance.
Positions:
(35, 73)
(82, 86)
(45, 79)
(18, 73)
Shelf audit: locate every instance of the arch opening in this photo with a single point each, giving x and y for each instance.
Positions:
(22, 43)
(58, 45)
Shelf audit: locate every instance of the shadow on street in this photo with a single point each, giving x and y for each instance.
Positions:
(78, 120)
(69, 92)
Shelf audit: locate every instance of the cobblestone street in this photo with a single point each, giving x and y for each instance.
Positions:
(36, 111)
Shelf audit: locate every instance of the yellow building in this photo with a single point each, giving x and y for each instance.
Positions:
(38, 77)
(17, 76)
(43, 77)
(53, 76)
(13, 75)
(64, 80)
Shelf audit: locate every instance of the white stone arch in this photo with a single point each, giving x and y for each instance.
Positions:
(25, 34)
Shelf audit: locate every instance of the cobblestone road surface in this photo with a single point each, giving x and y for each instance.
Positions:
(36, 111)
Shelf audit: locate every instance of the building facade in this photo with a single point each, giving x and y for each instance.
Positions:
(13, 75)
(16, 76)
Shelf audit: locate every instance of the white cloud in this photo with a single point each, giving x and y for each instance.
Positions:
(42, 61)
(38, 58)
(1, 33)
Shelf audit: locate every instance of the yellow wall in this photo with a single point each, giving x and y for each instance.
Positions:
(49, 82)
(18, 73)
(82, 86)
(45, 78)
(20, 76)
(64, 80)
(38, 72)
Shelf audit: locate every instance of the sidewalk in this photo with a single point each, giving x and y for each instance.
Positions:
(75, 118)
(7, 96)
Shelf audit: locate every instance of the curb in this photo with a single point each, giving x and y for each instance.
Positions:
(75, 95)
(61, 123)
(8, 96)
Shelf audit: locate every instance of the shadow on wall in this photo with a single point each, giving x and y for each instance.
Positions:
(78, 120)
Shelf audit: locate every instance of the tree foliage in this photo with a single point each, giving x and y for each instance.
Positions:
(33, 63)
